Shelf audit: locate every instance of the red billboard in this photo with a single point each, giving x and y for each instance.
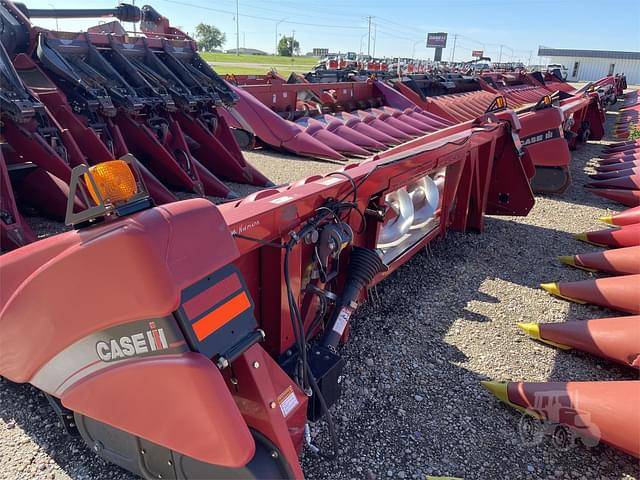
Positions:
(477, 53)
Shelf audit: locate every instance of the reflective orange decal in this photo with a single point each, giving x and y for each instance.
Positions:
(221, 315)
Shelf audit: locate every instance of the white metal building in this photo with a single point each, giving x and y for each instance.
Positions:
(589, 65)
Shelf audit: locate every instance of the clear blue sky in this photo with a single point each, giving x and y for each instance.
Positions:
(402, 25)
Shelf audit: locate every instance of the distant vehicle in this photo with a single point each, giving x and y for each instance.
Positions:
(481, 66)
(483, 63)
(557, 66)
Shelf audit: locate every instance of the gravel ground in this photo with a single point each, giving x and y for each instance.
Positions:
(412, 404)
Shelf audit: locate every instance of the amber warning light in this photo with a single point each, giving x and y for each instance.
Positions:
(115, 188)
(113, 182)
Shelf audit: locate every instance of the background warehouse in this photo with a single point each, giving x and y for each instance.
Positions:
(589, 65)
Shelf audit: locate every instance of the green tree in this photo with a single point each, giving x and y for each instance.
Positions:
(209, 37)
(287, 46)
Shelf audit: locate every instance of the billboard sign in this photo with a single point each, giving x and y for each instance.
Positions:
(477, 53)
(437, 40)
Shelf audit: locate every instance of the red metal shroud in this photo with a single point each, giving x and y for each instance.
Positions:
(583, 113)
(618, 260)
(148, 259)
(621, 172)
(630, 198)
(616, 338)
(597, 411)
(630, 181)
(624, 236)
(624, 218)
(618, 293)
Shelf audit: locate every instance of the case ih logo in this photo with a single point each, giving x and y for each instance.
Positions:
(541, 137)
(131, 345)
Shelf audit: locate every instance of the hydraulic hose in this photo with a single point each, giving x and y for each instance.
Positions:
(364, 264)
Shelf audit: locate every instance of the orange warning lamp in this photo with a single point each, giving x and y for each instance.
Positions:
(111, 182)
(501, 102)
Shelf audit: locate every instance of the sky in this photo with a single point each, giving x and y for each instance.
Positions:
(399, 27)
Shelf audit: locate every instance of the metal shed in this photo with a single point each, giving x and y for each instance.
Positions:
(588, 65)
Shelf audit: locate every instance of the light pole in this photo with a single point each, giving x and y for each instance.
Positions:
(238, 27)
(278, 23)
(56, 17)
(375, 36)
(507, 47)
(362, 40)
(413, 49)
(369, 41)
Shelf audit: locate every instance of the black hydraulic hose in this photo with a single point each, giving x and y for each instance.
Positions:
(364, 264)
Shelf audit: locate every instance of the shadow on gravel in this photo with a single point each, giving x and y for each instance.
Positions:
(420, 409)
(26, 408)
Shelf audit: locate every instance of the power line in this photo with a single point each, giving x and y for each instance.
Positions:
(257, 17)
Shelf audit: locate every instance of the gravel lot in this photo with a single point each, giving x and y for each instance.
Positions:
(412, 403)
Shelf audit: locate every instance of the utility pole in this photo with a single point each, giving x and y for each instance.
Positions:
(238, 27)
(500, 56)
(369, 37)
(293, 39)
(375, 36)
(278, 23)
(244, 40)
(56, 17)
(530, 55)
(453, 52)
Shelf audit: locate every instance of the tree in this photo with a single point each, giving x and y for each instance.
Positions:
(287, 46)
(209, 37)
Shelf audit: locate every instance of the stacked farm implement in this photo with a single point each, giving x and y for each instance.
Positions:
(355, 119)
(617, 176)
(582, 108)
(547, 133)
(230, 316)
(71, 99)
(332, 120)
(628, 119)
(594, 411)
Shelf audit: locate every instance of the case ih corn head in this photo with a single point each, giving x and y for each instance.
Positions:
(225, 321)
(334, 120)
(82, 98)
(546, 134)
(331, 120)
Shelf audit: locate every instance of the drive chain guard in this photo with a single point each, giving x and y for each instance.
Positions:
(550, 179)
(153, 461)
